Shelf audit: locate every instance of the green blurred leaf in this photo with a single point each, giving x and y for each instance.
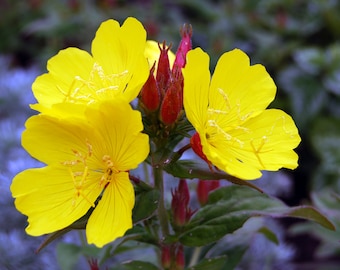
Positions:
(328, 202)
(325, 138)
(190, 169)
(229, 207)
(270, 235)
(310, 60)
(68, 255)
(306, 93)
(140, 234)
(211, 264)
(146, 204)
(133, 265)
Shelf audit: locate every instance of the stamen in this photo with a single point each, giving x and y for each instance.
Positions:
(229, 108)
(80, 159)
(257, 150)
(225, 97)
(107, 160)
(212, 111)
(79, 186)
(228, 137)
(108, 81)
(89, 148)
(69, 162)
(283, 118)
(107, 176)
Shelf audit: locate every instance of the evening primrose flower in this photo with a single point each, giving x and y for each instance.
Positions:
(87, 162)
(117, 67)
(234, 130)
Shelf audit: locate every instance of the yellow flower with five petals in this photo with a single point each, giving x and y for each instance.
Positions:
(234, 130)
(87, 160)
(117, 67)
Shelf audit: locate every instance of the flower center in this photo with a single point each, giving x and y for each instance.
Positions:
(97, 84)
(110, 170)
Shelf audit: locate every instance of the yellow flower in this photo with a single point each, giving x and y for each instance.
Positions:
(86, 161)
(117, 67)
(237, 133)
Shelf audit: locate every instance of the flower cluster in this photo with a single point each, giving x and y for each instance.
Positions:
(90, 137)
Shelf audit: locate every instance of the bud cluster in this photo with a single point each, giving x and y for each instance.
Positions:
(172, 257)
(162, 94)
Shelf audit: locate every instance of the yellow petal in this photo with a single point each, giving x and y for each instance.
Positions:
(119, 51)
(196, 87)
(113, 215)
(119, 128)
(265, 142)
(63, 83)
(51, 140)
(238, 89)
(49, 198)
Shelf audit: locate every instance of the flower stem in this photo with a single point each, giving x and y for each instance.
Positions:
(195, 256)
(162, 213)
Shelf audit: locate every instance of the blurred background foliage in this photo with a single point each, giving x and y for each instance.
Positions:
(298, 41)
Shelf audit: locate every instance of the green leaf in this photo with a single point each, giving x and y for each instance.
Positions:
(325, 138)
(133, 265)
(146, 204)
(229, 207)
(269, 235)
(68, 255)
(305, 93)
(190, 169)
(328, 202)
(211, 264)
(140, 234)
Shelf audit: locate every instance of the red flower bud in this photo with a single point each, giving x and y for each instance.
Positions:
(203, 189)
(180, 260)
(93, 263)
(150, 96)
(179, 204)
(172, 103)
(166, 257)
(184, 46)
(163, 69)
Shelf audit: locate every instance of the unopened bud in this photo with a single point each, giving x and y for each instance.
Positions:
(179, 204)
(166, 256)
(172, 103)
(204, 187)
(183, 48)
(93, 264)
(150, 96)
(180, 260)
(163, 68)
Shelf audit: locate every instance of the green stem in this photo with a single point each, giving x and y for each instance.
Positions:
(195, 256)
(162, 213)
